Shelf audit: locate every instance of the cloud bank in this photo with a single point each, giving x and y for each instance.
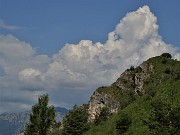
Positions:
(71, 75)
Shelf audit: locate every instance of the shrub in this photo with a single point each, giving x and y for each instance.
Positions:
(164, 61)
(132, 68)
(166, 55)
(138, 69)
(167, 71)
(123, 124)
(103, 116)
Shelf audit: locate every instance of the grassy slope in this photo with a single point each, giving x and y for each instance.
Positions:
(140, 109)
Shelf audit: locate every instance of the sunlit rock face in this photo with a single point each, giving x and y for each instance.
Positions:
(99, 100)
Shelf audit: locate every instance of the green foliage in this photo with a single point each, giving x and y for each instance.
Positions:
(42, 118)
(150, 91)
(177, 75)
(56, 131)
(166, 55)
(103, 116)
(132, 68)
(75, 122)
(164, 119)
(164, 61)
(138, 69)
(123, 124)
(167, 71)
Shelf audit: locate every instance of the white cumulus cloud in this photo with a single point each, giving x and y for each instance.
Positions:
(134, 40)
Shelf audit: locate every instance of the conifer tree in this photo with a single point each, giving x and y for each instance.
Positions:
(42, 117)
(75, 122)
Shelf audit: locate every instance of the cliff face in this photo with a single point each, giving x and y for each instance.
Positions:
(131, 80)
(99, 100)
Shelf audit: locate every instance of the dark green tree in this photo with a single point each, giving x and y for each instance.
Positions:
(103, 116)
(123, 124)
(42, 117)
(166, 55)
(76, 121)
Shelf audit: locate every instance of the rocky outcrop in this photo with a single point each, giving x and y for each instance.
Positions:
(141, 77)
(132, 79)
(99, 100)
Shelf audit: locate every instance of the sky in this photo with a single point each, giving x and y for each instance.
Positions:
(68, 48)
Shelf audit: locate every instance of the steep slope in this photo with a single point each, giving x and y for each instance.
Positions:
(133, 93)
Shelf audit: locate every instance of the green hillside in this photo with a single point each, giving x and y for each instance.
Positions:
(162, 86)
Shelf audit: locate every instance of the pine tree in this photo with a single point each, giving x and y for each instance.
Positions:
(75, 122)
(42, 117)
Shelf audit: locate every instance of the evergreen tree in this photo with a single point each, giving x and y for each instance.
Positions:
(42, 118)
(75, 122)
(166, 55)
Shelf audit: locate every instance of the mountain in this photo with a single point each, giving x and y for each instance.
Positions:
(60, 113)
(14, 123)
(132, 98)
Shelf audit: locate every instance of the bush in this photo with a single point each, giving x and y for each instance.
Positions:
(132, 68)
(103, 116)
(177, 76)
(167, 71)
(138, 69)
(166, 55)
(123, 124)
(164, 61)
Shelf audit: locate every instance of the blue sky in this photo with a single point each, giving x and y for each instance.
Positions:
(49, 25)
(68, 48)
